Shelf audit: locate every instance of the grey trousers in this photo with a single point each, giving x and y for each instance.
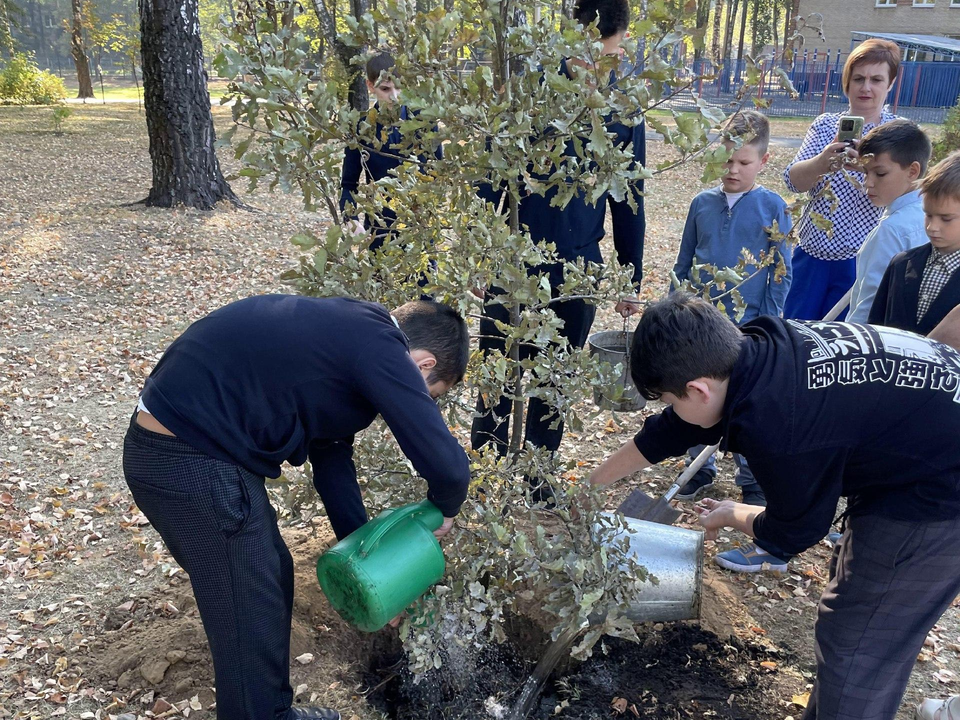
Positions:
(890, 581)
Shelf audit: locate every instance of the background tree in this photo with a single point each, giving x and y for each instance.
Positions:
(177, 105)
(78, 50)
(717, 44)
(8, 11)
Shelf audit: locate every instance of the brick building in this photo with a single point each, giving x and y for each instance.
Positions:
(913, 17)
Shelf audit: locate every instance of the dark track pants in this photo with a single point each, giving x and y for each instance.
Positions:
(890, 581)
(577, 317)
(220, 527)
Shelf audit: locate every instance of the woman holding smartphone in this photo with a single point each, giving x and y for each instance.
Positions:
(824, 265)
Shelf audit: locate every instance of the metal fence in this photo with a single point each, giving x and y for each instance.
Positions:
(923, 91)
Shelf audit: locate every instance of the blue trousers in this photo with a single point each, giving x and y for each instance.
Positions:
(817, 286)
(218, 524)
(744, 473)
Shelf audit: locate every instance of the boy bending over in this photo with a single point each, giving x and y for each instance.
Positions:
(822, 410)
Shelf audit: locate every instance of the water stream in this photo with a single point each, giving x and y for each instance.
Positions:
(534, 685)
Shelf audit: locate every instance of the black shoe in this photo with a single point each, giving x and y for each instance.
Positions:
(701, 480)
(753, 495)
(311, 712)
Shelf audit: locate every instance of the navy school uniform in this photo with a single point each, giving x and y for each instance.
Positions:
(898, 294)
(576, 231)
(373, 164)
(822, 410)
(263, 381)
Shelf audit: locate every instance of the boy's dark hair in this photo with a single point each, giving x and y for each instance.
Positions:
(751, 125)
(902, 140)
(679, 339)
(377, 64)
(438, 329)
(614, 15)
(943, 180)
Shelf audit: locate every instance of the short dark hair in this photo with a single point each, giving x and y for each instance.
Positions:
(902, 140)
(751, 125)
(377, 64)
(438, 329)
(943, 181)
(679, 339)
(614, 15)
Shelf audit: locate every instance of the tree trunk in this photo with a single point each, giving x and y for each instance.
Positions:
(703, 20)
(755, 47)
(177, 106)
(728, 32)
(357, 92)
(793, 12)
(6, 34)
(717, 30)
(79, 52)
(743, 29)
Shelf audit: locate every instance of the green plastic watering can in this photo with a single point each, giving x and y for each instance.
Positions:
(377, 571)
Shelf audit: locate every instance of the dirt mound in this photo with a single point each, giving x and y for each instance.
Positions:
(156, 647)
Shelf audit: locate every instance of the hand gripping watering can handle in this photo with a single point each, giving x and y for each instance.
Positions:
(691, 470)
(369, 543)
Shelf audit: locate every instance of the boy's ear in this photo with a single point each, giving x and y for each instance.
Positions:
(370, 86)
(427, 361)
(699, 390)
(913, 172)
(765, 158)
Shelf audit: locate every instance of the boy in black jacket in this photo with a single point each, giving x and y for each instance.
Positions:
(822, 410)
(921, 286)
(260, 382)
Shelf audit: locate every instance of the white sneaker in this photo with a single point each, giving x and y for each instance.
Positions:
(948, 709)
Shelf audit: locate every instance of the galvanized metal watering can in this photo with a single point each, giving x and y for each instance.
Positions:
(675, 557)
(377, 571)
(613, 346)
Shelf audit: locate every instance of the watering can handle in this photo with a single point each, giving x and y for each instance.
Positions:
(369, 543)
(691, 470)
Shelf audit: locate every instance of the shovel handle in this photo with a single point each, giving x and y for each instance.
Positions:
(691, 470)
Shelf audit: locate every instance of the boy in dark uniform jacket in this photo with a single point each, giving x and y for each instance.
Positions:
(921, 286)
(376, 162)
(822, 410)
(576, 230)
(260, 382)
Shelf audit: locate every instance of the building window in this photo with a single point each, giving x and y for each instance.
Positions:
(956, 4)
(924, 3)
(886, 3)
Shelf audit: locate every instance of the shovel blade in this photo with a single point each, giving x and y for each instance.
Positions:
(640, 506)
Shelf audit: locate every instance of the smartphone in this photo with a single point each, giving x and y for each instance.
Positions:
(851, 128)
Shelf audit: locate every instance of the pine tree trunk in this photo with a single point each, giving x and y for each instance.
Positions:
(177, 106)
(755, 48)
(79, 53)
(357, 93)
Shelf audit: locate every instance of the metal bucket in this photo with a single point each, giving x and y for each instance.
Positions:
(612, 346)
(675, 557)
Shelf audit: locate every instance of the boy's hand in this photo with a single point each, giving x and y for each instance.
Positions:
(443, 529)
(355, 228)
(714, 515)
(628, 306)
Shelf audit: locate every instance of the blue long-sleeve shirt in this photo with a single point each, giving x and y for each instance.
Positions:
(901, 228)
(716, 234)
(274, 378)
(577, 228)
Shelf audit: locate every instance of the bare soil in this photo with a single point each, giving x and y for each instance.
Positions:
(97, 621)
